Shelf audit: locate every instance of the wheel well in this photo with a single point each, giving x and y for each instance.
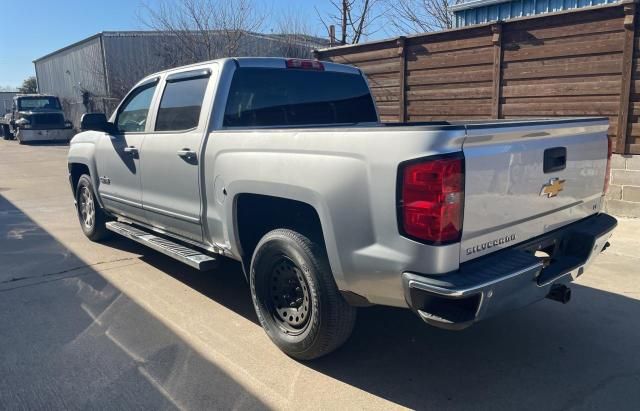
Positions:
(258, 214)
(76, 170)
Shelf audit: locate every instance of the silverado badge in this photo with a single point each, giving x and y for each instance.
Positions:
(552, 188)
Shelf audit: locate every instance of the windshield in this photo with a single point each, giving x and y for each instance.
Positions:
(276, 97)
(30, 103)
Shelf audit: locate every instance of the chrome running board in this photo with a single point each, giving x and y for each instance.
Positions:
(189, 256)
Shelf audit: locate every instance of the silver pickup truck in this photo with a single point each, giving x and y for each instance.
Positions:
(283, 165)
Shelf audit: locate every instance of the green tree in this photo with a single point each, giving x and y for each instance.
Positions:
(29, 85)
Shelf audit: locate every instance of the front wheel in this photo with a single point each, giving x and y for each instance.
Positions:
(6, 132)
(92, 217)
(296, 298)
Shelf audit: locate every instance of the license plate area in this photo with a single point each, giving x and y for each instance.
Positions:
(560, 254)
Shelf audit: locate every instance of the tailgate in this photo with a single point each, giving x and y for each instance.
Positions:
(509, 194)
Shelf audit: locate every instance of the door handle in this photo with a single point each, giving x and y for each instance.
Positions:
(131, 149)
(187, 154)
(555, 159)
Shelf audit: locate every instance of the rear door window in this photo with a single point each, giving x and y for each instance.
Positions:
(261, 97)
(181, 103)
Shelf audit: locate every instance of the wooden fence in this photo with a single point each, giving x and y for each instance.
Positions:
(576, 63)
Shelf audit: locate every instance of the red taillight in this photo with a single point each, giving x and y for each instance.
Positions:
(432, 196)
(305, 64)
(607, 174)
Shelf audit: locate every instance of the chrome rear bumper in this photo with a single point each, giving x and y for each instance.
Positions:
(58, 134)
(507, 279)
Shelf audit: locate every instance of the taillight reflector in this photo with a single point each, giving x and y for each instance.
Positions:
(607, 174)
(305, 64)
(432, 199)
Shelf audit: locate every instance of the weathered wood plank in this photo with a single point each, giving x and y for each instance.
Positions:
(449, 117)
(626, 82)
(383, 82)
(566, 89)
(421, 78)
(449, 45)
(496, 29)
(634, 148)
(449, 86)
(562, 50)
(451, 59)
(580, 61)
(462, 93)
(565, 99)
(612, 66)
(387, 53)
(402, 77)
(562, 108)
(634, 129)
(448, 109)
(523, 34)
(563, 80)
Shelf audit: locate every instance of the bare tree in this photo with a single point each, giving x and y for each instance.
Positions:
(355, 18)
(293, 36)
(202, 29)
(418, 16)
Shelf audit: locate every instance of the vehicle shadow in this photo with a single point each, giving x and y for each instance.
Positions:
(72, 340)
(45, 143)
(546, 356)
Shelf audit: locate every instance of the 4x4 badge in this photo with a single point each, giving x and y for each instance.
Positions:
(552, 188)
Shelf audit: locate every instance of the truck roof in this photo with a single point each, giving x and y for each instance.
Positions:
(34, 95)
(267, 62)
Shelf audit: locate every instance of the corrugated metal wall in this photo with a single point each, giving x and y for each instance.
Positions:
(72, 71)
(131, 56)
(127, 57)
(519, 8)
(6, 99)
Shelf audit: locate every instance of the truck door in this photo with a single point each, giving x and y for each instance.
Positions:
(118, 160)
(171, 154)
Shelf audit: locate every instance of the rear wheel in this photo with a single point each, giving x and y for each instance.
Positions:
(296, 298)
(92, 217)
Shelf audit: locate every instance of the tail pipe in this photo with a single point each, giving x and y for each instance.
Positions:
(560, 293)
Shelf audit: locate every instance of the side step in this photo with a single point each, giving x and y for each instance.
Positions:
(189, 256)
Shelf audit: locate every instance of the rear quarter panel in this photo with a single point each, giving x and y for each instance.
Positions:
(349, 177)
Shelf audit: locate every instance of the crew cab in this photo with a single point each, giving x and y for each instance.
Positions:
(36, 117)
(284, 166)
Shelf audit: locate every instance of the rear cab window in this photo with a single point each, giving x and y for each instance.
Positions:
(270, 97)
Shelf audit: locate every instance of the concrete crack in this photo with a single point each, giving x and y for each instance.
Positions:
(14, 279)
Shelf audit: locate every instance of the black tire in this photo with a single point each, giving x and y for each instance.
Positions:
(290, 272)
(93, 226)
(6, 133)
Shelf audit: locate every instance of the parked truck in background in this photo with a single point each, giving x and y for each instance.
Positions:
(283, 165)
(35, 117)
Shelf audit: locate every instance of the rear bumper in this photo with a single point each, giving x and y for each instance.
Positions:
(507, 279)
(58, 134)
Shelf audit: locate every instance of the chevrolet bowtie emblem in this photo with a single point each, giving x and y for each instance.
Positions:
(552, 188)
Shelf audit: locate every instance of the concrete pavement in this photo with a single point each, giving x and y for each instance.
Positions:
(114, 325)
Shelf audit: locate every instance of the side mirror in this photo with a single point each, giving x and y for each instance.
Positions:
(95, 121)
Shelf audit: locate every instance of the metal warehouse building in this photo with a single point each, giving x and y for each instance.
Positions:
(470, 12)
(95, 73)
